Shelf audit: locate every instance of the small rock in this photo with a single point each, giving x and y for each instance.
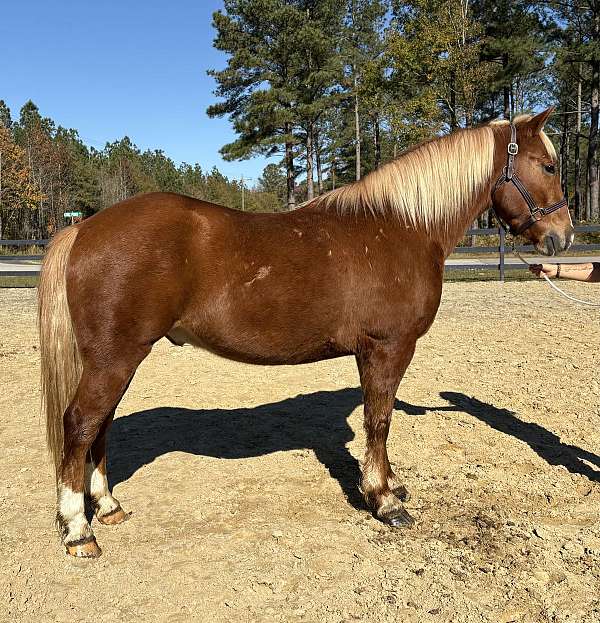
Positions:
(277, 534)
(541, 533)
(511, 615)
(541, 576)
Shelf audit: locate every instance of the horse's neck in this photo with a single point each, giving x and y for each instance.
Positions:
(448, 237)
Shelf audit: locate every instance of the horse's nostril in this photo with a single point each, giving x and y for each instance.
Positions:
(556, 243)
(551, 244)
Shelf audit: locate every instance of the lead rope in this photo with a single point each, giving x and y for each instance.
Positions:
(551, 283)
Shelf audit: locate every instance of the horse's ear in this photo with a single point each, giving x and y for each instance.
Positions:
(536, 124)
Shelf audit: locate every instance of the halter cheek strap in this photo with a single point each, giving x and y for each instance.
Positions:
(509, 176)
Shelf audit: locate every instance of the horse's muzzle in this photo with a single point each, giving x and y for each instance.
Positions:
(554, 243)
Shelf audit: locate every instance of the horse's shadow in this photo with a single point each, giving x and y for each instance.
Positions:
(316, 421)
(542, 441)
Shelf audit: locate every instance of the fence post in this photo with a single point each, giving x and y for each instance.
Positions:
(501, 249)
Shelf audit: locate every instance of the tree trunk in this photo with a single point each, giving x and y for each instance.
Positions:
(317, 151)
(332, 173)
(593, 143)
(512, 101)
(310, 184)
(564, 153)
(506, 88)
(289, 168)
(577, 198)
(453, 120)
(357, 128)
(377, 143)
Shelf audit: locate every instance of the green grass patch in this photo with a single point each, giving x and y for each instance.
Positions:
(455, 274)
(18, 282)
(16, 251)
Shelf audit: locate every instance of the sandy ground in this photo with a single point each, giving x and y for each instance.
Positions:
(242, 480)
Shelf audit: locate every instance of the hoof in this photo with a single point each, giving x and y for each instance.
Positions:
(401, 493)
(85, 548)
(398, 518)
(114, 517)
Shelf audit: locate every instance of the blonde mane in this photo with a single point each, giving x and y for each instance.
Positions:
(426, 186)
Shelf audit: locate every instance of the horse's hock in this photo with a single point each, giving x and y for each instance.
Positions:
(243, 479)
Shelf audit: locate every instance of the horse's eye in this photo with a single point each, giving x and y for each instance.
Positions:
(550, 169)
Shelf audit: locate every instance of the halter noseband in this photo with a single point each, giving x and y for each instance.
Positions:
(509, 175)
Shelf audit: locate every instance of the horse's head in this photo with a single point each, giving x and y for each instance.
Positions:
(528, 196)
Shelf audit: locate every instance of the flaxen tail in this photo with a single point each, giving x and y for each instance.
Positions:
(61, 364)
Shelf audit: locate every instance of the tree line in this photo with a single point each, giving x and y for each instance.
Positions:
(47, 171)
(335, 88)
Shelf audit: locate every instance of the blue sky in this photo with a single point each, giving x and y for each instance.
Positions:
(110, 69)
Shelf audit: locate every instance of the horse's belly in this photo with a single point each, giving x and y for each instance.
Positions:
(266, 349)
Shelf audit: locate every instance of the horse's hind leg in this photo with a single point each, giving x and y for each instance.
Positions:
(99, 391)
(382, 366)
(107, 508)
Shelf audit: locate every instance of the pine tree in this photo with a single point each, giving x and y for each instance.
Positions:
(5, 118)
(259, 83)
(515, 40)
(273, 181)
(361, 45)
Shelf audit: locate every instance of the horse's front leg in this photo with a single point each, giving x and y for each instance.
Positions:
(381, 365)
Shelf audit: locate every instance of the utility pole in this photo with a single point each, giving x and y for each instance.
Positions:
(242, 193)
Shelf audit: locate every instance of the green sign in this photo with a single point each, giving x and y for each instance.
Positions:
(72, 214)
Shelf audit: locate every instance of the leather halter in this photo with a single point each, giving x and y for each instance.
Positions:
(509, 175)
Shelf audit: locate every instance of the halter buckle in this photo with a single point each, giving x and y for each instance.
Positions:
(538, 214)
(513, 149)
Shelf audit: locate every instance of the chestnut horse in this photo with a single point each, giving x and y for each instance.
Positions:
(357, 271)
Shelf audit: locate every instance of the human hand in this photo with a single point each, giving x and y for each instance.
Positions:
(543, 269)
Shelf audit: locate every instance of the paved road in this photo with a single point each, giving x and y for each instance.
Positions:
(17, 266)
